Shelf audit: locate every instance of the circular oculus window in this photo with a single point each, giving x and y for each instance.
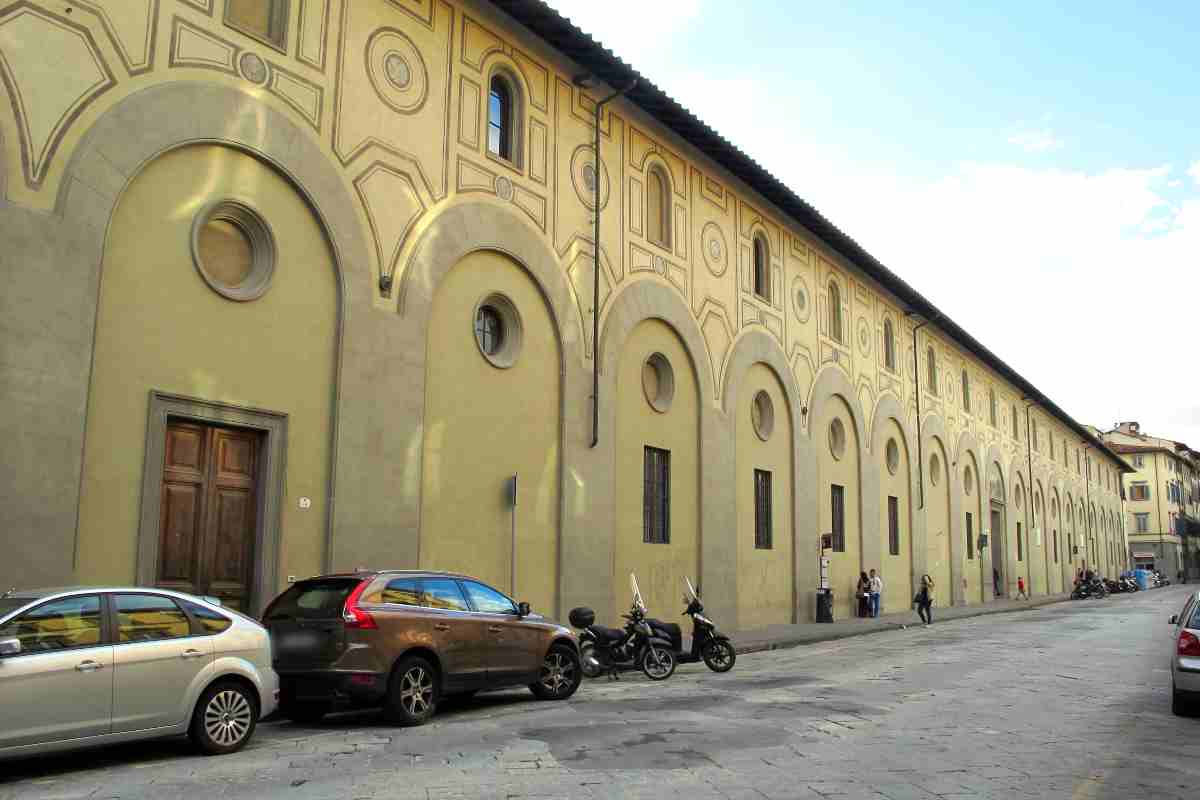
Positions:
(935, 469)
(233, 250)
(891, 456)
(498, 330)
(658, 382)
(837, 438)
(762, 415)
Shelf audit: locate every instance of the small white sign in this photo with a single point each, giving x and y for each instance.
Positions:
(306, 502)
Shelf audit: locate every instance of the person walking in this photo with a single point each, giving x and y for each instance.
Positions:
(863, 595)
(923, 600)
(1021, 588)
(876, 593)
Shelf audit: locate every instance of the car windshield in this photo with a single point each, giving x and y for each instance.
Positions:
(1194, 624)
(319, 599)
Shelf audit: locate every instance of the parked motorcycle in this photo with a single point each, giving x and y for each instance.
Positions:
(708, 645)
(611, 650)
(1089, 588)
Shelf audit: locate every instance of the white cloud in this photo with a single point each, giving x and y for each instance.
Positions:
(1194, 171)
(1038, 141)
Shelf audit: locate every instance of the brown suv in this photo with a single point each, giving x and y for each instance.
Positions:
(405, 639)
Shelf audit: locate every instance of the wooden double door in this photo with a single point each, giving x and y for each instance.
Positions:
(209, 516)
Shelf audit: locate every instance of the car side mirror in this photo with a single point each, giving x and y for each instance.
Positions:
(523, 609)
(10, 647)
(1174, 621)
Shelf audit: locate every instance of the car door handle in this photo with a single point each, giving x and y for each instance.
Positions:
(495, 629)
(441, 626)
(191, 654)
(88, 666)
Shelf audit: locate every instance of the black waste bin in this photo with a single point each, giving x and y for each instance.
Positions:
(824, 605)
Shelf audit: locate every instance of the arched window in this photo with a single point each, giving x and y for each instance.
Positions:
(502, 118)
(835, 311)
(966, 392)
(931, 371)
(762, 268)
(992, 405)
(889, 345)
(658, 207)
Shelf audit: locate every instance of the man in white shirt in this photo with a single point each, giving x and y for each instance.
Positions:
(876, 591)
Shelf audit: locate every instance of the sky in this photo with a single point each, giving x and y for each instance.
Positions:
(1031, 168)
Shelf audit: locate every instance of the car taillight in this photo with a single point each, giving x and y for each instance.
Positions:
(355, 617)
(1189, 644)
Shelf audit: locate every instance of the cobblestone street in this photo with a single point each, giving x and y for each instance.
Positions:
(1065, 701)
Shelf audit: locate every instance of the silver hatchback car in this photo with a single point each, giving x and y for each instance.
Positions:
(90, 666)
(1185, 658)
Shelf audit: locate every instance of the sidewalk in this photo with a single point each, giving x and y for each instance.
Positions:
(778, 637)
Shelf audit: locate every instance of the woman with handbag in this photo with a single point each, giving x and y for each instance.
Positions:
(863, 595)
(923, 600)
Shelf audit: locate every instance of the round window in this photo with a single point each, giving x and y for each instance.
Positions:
(837, 438)
(762, 415)
(935, 469)
(233, 250)
(892, 456)
(968, 480)
(497, 330)
(658, 382)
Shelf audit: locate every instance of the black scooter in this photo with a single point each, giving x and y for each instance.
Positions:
(708, 645)
(612, 650)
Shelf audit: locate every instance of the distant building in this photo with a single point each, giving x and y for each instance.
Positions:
(1162, 499)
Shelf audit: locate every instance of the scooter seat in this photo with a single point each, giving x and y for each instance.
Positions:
(607, 634)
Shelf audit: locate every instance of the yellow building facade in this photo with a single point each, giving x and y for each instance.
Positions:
(295, 286)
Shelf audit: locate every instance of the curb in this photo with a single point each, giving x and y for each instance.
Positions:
(814, 638)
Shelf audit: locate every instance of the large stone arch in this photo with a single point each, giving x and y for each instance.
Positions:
(637, 301)
(756, 346)
(830, 382)
(935, 437)
(73, 238)
(966, 451)
(888, 407)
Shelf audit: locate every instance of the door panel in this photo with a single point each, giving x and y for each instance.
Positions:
(60, 686)
(461, 636)
(156, 661)
(209, 511)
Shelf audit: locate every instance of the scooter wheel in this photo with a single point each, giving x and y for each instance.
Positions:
(588, 663)
(719, 656)
(657, 663)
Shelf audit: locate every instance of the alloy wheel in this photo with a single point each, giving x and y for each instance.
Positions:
(416, 691)
(227, 717)
(558, 673)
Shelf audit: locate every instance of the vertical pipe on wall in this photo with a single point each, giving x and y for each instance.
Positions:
(596, 252)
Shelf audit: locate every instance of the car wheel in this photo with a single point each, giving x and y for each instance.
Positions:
(413, 693)
(224, 718)
(305, 712)
(560, 675)
(658, 663)
(719, 656)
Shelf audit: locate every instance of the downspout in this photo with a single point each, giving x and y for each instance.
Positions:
(1087, 488)
(596, 255)
(917, 391)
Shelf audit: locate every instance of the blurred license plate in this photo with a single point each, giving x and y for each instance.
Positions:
(299, 641)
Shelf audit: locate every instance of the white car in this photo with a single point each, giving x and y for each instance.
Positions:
(1185, 659)
(98, 665)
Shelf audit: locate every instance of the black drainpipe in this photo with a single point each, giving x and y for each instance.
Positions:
(917, 388)
(583, 82)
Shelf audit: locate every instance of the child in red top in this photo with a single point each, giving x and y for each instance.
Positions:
(1021, 588)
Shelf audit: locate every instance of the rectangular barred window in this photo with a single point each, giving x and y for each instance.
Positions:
(656, 496)
(837, 495)
(762, 509)
(970, 537)
(894, 526)
(1020, 545)
(265, 20)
